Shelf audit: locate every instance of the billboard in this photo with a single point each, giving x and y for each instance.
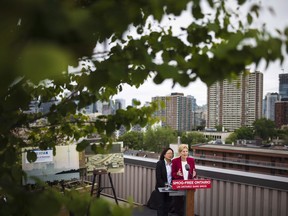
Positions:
(63, 166)
(67, 163)
(112, 162)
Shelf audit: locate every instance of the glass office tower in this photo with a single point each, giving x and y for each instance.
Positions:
(283, 86)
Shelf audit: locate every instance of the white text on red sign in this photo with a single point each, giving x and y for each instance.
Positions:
(191, 184)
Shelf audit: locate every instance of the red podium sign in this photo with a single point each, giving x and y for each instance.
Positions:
(191, 184)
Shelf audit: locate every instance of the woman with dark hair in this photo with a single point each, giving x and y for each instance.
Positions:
(163, 178)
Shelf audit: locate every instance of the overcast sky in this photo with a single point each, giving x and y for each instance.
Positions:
(198, 89)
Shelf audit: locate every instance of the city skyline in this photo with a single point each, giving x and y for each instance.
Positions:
(149, 90)
(198, 89)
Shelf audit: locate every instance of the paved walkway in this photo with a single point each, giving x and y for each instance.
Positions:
(138, 210)
(144, 211)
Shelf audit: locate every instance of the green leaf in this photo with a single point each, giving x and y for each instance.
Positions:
(41, 60)
(121, 210)
(17, 173)
(82, 145)
(241, 2)
(286, 31)
(213, 27)
(100, 207)
(78, 202)
(140, 30)
(48, 200)
(249, 19)
(211, 3)
(158, 79)
(31, 156)
(136, 102)
(255, 8)
(197, 12)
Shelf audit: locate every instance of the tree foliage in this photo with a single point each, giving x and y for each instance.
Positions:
(245, 133)
(133, 140)
(264, 128)
(39, 39)
(219, 127)
(231, 138)
(158, 139)
(283, 134)
(194, 137)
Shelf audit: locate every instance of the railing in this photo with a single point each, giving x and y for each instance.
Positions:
(234, 193)
(282, 166)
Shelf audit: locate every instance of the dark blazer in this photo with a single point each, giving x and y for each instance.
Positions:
(176, 165)
(161, 174)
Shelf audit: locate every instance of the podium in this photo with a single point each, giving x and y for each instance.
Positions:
(171, 191)
(99, 189)
(187, 188)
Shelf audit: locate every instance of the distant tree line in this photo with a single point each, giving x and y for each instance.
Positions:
(157, 139)
(263, 129)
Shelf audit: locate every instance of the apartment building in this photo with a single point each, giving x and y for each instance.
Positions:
(235, 103)
(245, 158)
(177, 111)
(281, 113)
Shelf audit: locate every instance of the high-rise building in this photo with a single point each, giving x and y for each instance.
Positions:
(120, 104)
(281, 113)
(193, 102)
(36, 106)
(283, 86)
(108, 107)
(269, 105)
(236, 103)
(199, 117)
(177, 112)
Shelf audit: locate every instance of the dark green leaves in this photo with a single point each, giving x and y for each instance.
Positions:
(286, 34)
(198, 33)
(196, 11)
(264, 128)
(40, 40)
(140, 30)
(249, 19)
(255, 9)
(35, 62)
(31, 156)
(40, 201)
(100, 207)
(82, 145)
(241, 2)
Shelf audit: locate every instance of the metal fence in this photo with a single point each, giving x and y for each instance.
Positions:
(233, 193)
(241, 161)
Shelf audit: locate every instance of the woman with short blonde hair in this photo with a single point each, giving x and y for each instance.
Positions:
(181, 147)
(183, 168)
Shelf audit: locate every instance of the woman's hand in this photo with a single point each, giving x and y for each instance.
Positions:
(194, 173)
(179, 173)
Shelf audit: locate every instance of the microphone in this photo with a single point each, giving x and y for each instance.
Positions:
(187, 167)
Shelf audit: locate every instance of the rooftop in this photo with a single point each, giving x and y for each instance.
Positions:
(249, 149)
(233, 192)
